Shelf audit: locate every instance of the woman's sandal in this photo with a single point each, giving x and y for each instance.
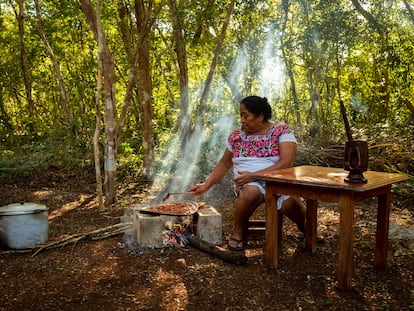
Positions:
(236, 248)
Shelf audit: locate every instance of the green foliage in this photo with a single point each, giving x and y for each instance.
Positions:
(331, 50)
(22, 156)
(391, 150)
(129, 161)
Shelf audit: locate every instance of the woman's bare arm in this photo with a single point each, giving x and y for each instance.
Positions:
(218, 172)
(287, 154)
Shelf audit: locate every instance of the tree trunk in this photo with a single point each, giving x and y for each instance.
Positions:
(113, 128)
(108, 73)
(125, 29)
(383, 89)
(368, 16)
(288, 65)
(125, 15)
(96, 152)
(180, 50)
(204, 96)
(144, 82)
(184, 122)
(316, 112)
(24, 63)
(409, 105)
(206, 16)
(409, 9)
(63, 93)
(4, 117)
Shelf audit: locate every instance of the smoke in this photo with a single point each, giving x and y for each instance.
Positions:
(272, 74)
(179, 169)
(176, 169)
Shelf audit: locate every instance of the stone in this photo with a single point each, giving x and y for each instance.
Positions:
(149, 228)
(209, 225)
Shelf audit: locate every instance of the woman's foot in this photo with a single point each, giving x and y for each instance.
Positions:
(320, 239)
(235, 244)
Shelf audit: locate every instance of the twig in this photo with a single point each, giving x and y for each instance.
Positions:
(98, 234)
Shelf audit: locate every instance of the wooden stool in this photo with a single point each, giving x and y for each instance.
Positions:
(258, 226)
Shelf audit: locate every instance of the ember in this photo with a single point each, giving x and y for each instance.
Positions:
(177, 234)
(155, 230)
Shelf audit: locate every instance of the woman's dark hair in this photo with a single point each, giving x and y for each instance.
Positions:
(258, 105)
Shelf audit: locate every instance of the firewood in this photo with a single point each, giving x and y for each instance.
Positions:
(98, 234)
(236, 257)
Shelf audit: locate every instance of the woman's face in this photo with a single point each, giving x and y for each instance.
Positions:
(249, 121)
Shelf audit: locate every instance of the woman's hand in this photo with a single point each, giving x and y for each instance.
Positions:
(243, 178)
(198, 189)
(218, 172)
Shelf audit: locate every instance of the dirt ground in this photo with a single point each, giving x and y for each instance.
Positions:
(108, 274)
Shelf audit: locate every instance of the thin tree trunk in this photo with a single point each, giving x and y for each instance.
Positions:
(113, 128)
(383, 76)
(368, 16)
(111, 144)
(132, 53)
(180, 50)
(184, 121)
(4, 117)
(126, 33)
(316, 112)
(206, 16)
(410, 106)
(134, 61)
(108, 72)
(96, 152)
(24, 62)
(288, 65)
(204, 96)
(235, 91)
(409, 9)
(63, 93)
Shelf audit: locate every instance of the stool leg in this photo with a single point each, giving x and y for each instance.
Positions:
(259, 226)
(311, 225)
(280, 227)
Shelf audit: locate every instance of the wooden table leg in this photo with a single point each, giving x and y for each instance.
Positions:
(311, 225)
(346, 240)
(383, 223)
(272, 230)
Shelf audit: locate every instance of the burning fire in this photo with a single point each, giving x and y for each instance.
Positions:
(177, 234)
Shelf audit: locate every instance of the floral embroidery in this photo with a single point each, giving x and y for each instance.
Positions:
(257, 145)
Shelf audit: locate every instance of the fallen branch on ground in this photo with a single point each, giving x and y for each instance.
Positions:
(98, 234)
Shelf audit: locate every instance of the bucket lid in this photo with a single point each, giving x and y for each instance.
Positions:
(22, 208)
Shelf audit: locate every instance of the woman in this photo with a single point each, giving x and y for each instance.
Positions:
(259, 146)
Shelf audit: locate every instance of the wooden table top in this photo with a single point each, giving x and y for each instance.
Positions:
(329, 177)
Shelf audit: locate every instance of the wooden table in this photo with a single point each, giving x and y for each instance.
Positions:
(314, 184)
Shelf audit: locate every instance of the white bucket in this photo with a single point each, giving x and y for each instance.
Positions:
(23, 225)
